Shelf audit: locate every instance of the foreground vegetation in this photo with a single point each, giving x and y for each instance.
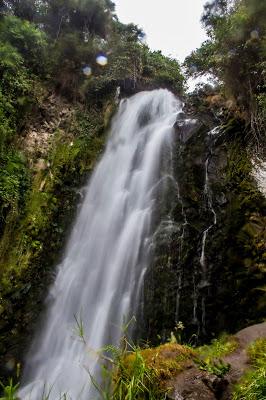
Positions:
(149, 373)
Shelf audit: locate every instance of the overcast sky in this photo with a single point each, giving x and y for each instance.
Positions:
(172, 26)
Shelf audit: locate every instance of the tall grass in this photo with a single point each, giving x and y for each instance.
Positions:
(128, 376)
(253, 385)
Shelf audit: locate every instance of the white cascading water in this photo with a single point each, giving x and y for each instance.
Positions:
(100, 277)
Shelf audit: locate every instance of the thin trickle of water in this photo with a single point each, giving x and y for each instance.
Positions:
(203, 314)
(204, 280)
(195, 302)
(178, 296)
(208, 195)
(202, 254)
(100, 278)
(181, 242)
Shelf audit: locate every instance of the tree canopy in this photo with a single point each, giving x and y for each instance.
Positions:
(235, 53)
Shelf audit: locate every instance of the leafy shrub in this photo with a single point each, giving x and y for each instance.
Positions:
(9, 391)
(14, 183)
(139, 374)
(29, 41)
(218, 368)
(218, 348)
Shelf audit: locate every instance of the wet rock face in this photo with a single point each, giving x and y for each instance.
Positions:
(208, 268)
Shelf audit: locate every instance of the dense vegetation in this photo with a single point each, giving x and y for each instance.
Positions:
(235, 54)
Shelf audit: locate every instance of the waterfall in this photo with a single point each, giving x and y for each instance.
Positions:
(100, 277)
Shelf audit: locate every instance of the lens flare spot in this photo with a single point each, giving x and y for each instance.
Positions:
(102, 60)
(87, 70)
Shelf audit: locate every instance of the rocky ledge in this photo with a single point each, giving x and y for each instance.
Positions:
(193, 383)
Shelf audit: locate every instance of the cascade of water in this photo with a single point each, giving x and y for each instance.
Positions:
(100, 278)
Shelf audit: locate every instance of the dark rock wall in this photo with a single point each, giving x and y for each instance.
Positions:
(223, 289)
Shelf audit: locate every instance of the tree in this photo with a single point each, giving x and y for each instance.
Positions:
(24, 9)
(88, 17)
(28, 40)
(235, 54)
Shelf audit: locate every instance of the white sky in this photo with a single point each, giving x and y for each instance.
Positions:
(172, 26)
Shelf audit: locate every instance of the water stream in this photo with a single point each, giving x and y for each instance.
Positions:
(100, 277)
(208, 196)
(204, 276)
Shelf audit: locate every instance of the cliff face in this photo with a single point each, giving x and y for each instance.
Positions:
(209, 260)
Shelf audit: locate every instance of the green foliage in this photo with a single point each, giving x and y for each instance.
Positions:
(137, 374)
(15, 81)
(215, 367)
(69, 158)
(218, 348)
(58, 17)
(257, 352)
(209, 356)
(24, 9)
(132, 63)
(164, 71)
(29, 41)
(21, 52)
(16, 37)
(88, 17)
(79, 330)
(247, 213)
(235, 54)
(7, 118)
(78, 31)
(70, 56)
(202, 60)
(130, 31)
(14, 182)
(9, 391)
(140, 382)
(253, 385)
(145, 373)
